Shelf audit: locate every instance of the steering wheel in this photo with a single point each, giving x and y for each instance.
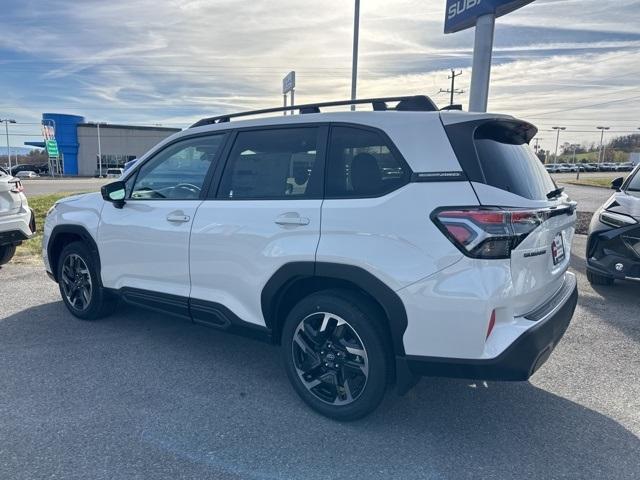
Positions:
(189, 187)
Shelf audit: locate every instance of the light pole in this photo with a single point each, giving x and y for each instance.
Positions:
(99, 148)
(558, 129)
(6, 122)
(354, 58)
(602, 129)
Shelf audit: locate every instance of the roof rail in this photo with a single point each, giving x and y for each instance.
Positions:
(415, 103)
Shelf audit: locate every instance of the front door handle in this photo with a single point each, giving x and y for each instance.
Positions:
(178, 217)
(291, 218)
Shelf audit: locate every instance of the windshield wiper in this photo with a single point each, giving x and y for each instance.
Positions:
(555, 193)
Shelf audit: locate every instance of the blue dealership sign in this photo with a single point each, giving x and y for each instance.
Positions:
(462, 14)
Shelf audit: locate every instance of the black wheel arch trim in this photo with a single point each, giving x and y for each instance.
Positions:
(276, 288)
(78, 230)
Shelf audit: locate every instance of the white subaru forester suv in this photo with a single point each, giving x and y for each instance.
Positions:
(374, 247)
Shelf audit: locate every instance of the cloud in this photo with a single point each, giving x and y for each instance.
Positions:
(173, 62)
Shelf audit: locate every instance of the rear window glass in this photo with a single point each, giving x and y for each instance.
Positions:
(509, 163)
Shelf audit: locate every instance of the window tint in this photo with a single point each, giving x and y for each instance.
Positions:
(362, 165)
(273, 164)
(178, 171)
(509, 163)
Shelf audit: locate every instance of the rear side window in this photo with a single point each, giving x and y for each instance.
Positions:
(362, 164)
(277, 163)
(508, 161)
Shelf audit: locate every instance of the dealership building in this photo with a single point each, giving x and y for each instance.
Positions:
(78, 143)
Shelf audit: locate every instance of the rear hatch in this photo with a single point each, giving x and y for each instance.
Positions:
(510, 181)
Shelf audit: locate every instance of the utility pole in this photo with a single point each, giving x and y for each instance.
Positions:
(354, 58)
(600, 155)
(536, 147)
(452, 90)
(6, 122)
(557, 129)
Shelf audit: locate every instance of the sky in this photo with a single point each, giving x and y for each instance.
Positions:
(572, 63)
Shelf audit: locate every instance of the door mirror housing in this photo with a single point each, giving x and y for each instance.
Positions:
(115, 193)
(616, 184)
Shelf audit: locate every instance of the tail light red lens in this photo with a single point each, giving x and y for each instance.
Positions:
(492, 323)
(488, 232)
(17, 186)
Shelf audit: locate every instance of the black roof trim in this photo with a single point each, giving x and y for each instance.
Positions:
(415, 103)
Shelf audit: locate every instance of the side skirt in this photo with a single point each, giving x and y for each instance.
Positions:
(210, 314)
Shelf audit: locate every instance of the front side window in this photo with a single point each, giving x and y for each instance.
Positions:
(633, 188)
(178, 171)
(361, 164)
(277, 163)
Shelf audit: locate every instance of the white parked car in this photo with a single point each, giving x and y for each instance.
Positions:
(27, 174)
(114, 172)
(374, 247)
(17, 222)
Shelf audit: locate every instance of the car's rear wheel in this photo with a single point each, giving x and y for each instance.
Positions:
(6, 253)
(80, 285)
(335, 354)
(595, 279)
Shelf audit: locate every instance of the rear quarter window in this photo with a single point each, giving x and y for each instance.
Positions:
(498, 153)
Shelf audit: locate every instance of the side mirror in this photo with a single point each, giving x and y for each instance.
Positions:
(616, 184)
(114, 193)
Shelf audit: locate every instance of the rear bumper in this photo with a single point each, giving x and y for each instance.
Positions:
(518, 361)
(18, 228)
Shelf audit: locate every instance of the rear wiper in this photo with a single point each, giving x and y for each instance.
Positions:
(555, 193)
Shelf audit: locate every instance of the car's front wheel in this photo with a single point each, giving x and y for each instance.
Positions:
(335, 354)
(6, 253)
(80, 285)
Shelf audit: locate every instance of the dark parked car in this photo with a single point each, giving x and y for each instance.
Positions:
(30, 167)
(590, 167)
(613, 246)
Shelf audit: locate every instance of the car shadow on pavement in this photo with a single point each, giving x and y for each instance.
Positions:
(164, 397)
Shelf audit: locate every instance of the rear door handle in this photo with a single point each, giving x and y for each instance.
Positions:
(178, 217)
(291, 218)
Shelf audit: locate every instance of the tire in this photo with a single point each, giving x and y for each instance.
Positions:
(331, 336)
(77, 270)
(595, 279)
(6, 253)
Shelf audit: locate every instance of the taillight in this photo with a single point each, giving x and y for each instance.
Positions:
(492, 323)
(488, 232)
(17, 186)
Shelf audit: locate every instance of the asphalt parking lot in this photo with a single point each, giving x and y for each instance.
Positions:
(142, 395)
